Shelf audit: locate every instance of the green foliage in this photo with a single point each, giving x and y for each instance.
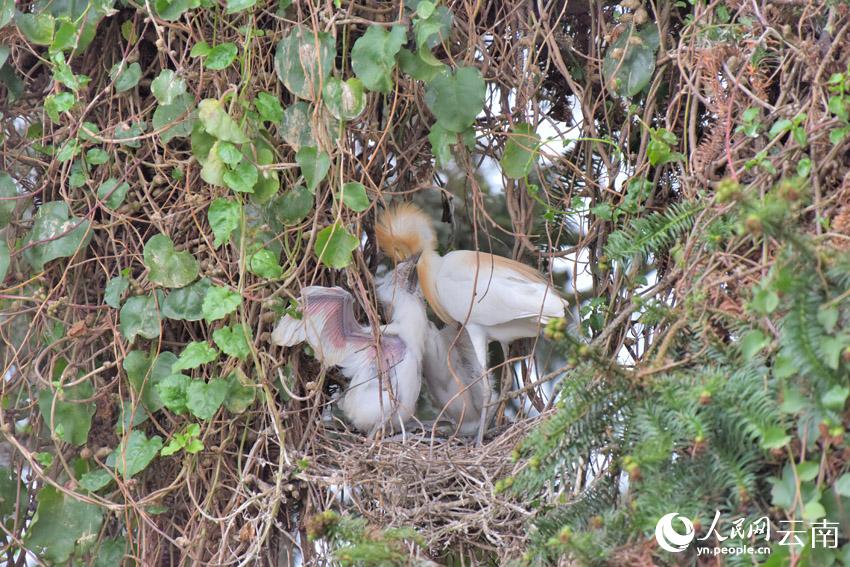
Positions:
(187, 441)
(345, 99)
(334, 245)
(521, 151)
(145, 371)
(55, 234)
(303, 61)
(224, 216)
(140, 315)
(354, 543)
(60, 522)
(233, 341)
(456, 98)
(649, 234)
(314, 166)
(219, 302)
(66, 414)
(168, 267)
(134, 453)
(630, 60)
(354, 196)
(373, 56)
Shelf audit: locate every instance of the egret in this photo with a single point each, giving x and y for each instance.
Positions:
(458, 384)
(385, 374)
(494, 298)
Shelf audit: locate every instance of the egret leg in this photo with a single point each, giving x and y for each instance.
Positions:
(478, 338)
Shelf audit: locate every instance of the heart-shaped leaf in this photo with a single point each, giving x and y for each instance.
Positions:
(68, 417)
(185, 304)
(303, 60)
(61, 521)
(172, 391)
(345, 99)
(219, 303)
(373, 56)
(175, 120)
(168, 267)
(520, 152)
(224, 217)
(112, 192)
(631, 70)
(204, 399)
(221, 56)
(55, 234)
(242, 178)
(194, 355)
(218, 123)
(296, 128)
(456, 99)
(334, 245)
(140, 316)
(354, 196)
(233, 342)
(293, 206)
(126, 76)
(269, 107)
(167, 87)
(314, 166)
(144, 373)
(134, 454)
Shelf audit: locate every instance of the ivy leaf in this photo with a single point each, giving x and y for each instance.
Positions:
(56, 104)
(144, 373)
(96, 156)
(264, 263)
(224, 216)
(334, 245)
(114, 291)
(442, 141)
(172, 391)
(632, 69)
(60, 521)
(68, 418)
(185, 304)
(4, 259)
(296, 128)
(314, 166)
(125, 76)
(422, 65)
(175, 120)
(112, 193)
(228, 153)
(303, 60)
(813, 510)
(233, 342)
(354, 196)
(520, 152)
(213, 168)
(8, 200)
(127, 133)
(373, 56)
(221, 56)
(134, 453)
(205, 398)
(835, 398)
(168, 267)
(842, 485)
(194, 355)
(774, 437)
(240, 393)
(432, 29)
(218, 123)
(37, 27)
(167, 87)
(269, 107)
(345, 99)
(55, 234)
(95, 480)
(456, 99)
(242, 178)
(752, 343)
(171, 10)
(234, 6)
(140, 316)
(293, 206)
(219, 303)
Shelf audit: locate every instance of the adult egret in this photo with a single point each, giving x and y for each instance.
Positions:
(385, 371)
(494, 298)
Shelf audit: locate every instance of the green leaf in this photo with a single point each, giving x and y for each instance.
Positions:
(632, 69)
(7, 12)
(96, 156)
(835, 398)
(126, 133)
(71, 418)
(115, 289)
(269, 107)
(433, 29)
(204, 399)
(240, 393)
(95, 480)
(8, 198)
(813, 510)
(234, 6)
(303, 61)
(4, 259)
(752, 343)
(194, 355)
(111, 552)
(842, 485)
(314, 166)
(37, 28)
(68, 151)
(221, 56)
(200, 49)
(224, 217)
(373, 56)
(219, 303)
(214, 168)
(765, 300)
(807, 470)
(293, 206)
(144, 373)
(112, 193)
(171, 10)
(60, 522)
(56, 104)
(233, 342)
(264, 263)
(228, 153)
(140, 316)
(175, 120)
(422, 65)
(218, 123)
(521, 151)
(172, 391)
(456, 99)
(55, 234)
(354, 196)
(134, 453)
(832, 347)
(296, 128)
(167, 87)
(828, 317)
(185, 304)
(334, 245)
(66, 35)
(168, 267)
(774, 437)
(345, 99)
(125, 76)
(242, 178)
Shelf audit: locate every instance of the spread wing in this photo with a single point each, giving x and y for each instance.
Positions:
(328, 325)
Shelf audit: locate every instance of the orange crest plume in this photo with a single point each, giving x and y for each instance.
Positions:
(405, 230)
